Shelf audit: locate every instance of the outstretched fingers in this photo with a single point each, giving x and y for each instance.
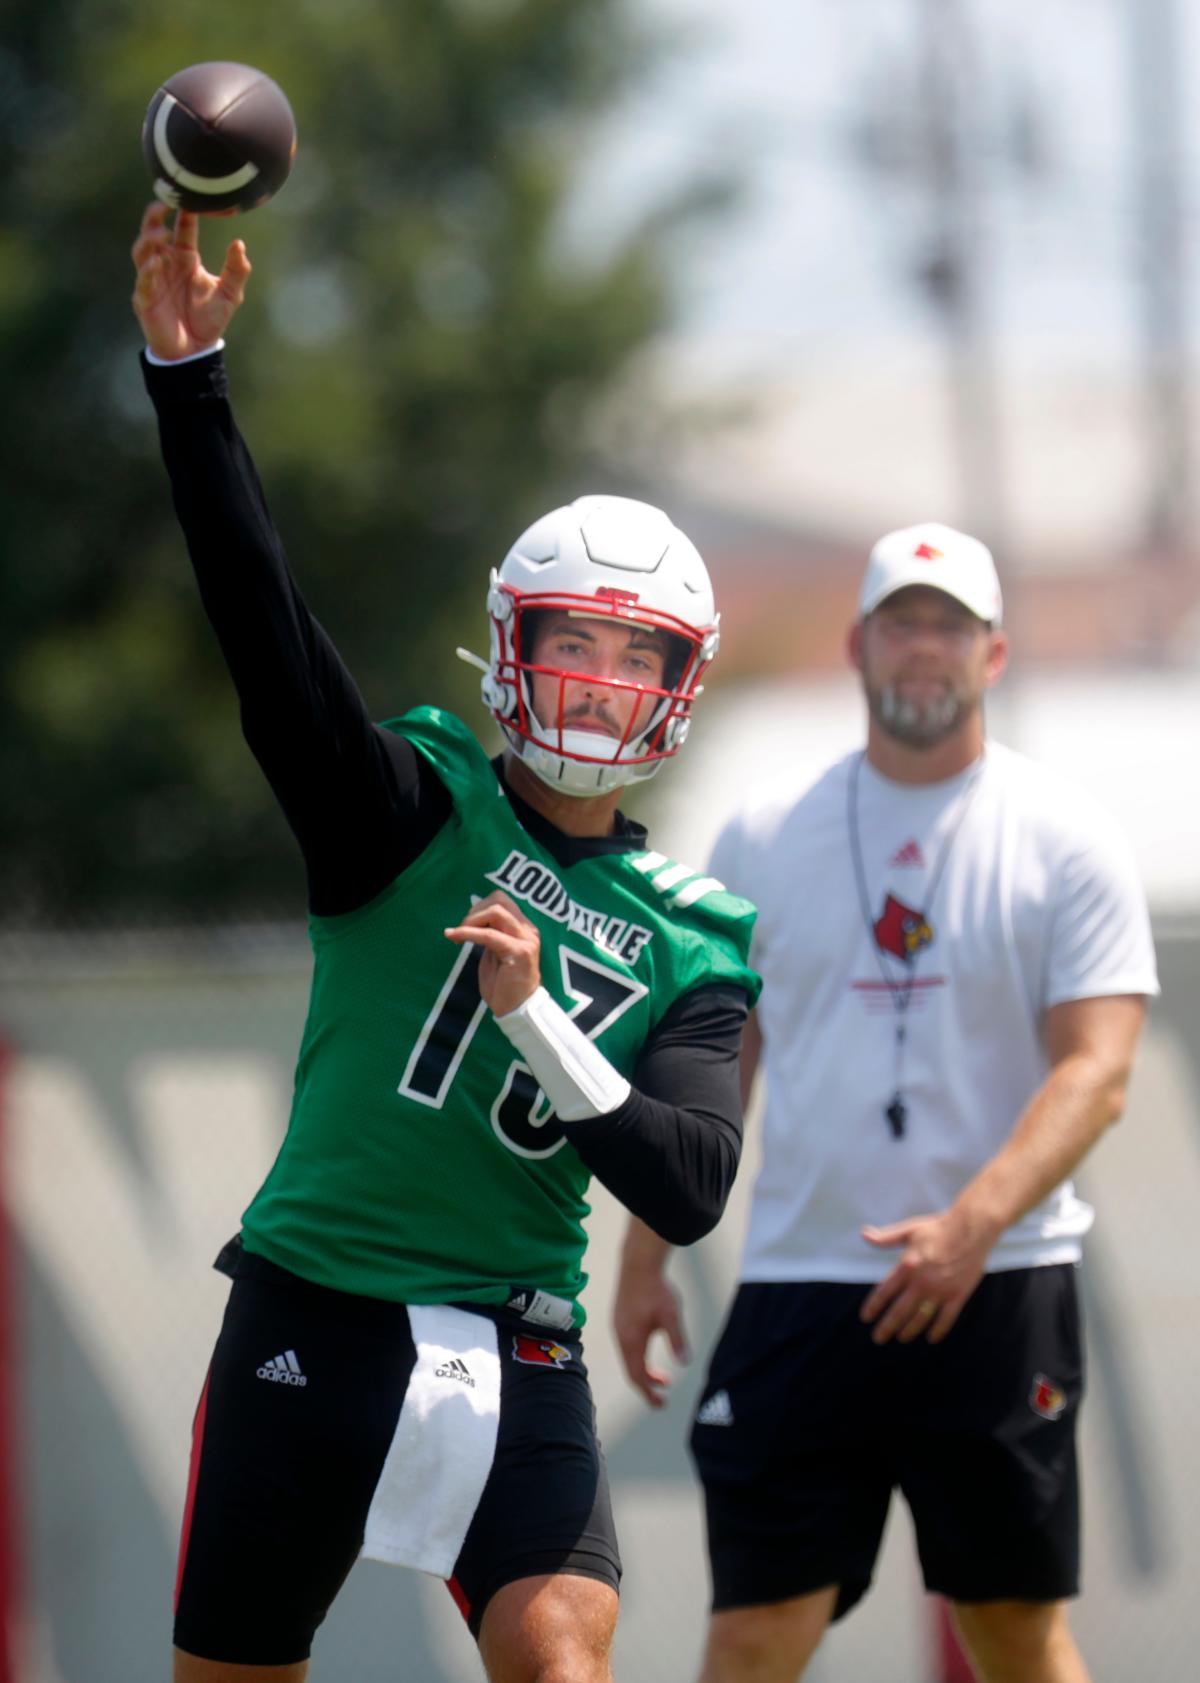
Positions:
(235, 272)
(149, 281)
(187, 231)
(154, 218)
(507, 948)
(153, 235)
(496, 912)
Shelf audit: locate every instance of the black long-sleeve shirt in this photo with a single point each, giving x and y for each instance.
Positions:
(363, 804)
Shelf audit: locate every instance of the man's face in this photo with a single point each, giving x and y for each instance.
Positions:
(608, 654)
(926, 661)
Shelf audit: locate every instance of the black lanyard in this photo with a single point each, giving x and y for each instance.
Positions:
(896, 1111)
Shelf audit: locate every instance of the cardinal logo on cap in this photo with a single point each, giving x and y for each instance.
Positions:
(926, 552)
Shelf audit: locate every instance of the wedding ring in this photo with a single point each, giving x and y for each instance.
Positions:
(926, 1307)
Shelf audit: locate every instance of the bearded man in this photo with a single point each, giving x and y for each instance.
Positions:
(956, 957)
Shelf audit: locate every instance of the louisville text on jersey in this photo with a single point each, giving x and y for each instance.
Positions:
(529, 880)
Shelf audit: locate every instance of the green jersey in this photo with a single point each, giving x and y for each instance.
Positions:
(422, 1163)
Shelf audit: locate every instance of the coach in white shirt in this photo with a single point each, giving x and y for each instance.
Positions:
(956, 955)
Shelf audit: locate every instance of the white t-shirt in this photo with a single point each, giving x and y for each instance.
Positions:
(1035, 901)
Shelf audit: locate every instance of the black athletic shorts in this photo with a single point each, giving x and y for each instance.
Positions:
(296, 1418)
(805, 1428)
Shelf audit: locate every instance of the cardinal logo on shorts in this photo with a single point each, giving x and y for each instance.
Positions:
(902, 930)
(1046, 1398)
(539, 1352)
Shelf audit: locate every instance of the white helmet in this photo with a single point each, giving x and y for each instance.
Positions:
(599, 558)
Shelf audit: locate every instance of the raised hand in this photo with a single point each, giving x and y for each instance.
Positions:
(183, 309)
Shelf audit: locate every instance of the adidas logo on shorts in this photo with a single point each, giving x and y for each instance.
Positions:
(454, 1369)
(283, 1370)
(717, 1411)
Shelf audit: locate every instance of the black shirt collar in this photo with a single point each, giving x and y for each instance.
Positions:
(627, 836)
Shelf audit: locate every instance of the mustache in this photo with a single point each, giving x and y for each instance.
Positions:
(585, 711)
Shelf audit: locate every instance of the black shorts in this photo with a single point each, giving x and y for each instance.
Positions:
(805, 1427)
(278, 1494)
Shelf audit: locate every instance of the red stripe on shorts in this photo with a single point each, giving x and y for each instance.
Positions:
(193, 1479)
(952, 1664)
(460, 1600)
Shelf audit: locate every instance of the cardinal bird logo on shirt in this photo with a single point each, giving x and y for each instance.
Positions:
(539, 1352)
(902, 930)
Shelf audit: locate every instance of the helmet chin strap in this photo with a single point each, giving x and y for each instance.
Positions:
(583, 778)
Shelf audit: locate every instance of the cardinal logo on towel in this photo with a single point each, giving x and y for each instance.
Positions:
(539, 1352)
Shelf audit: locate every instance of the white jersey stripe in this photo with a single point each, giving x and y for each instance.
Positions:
(672, 875)
(696, 891)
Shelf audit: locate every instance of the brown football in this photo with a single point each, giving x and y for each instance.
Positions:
(218, 137)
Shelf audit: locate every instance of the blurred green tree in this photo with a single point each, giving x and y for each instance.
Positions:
(414, 369)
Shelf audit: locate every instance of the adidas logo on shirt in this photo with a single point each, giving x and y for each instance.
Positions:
(283, 1370)
(454, 1369)
(909, 854)
(717, 1411)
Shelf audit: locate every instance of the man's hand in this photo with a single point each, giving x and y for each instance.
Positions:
(942, 1263)
(1091, 1043)
(509, 970)
(645, 1303)
(183, 309)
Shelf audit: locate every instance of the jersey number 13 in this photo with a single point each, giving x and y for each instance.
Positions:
(521, 1114)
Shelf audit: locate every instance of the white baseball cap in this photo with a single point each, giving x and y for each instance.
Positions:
(936, 556)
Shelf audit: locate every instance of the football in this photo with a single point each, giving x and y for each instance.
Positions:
(218, 137)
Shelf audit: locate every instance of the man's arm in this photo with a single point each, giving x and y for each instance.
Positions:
(645, 1301)
(670, 1152)
(361, 802)
(1091, 1044)
(666, 1143)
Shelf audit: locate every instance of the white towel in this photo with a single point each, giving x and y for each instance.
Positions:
(442, 1450)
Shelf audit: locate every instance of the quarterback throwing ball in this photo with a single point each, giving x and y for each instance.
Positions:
(512, 992)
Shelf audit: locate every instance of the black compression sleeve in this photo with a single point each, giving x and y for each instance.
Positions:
(361, 801)
(670, 1152)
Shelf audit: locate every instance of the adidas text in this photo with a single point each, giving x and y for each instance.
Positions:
(283, 1370)
(454, 1369)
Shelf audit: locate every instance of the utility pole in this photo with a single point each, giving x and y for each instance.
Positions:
(1155, 60)
(954, 272)
(927, 133)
